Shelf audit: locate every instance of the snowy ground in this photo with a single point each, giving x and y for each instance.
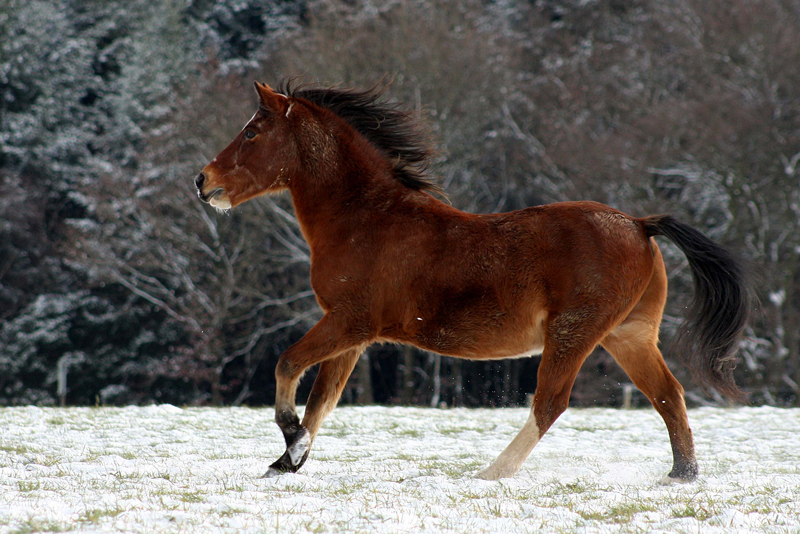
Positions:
(165, 469)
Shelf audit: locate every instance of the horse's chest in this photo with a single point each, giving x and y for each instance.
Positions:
(338, 285)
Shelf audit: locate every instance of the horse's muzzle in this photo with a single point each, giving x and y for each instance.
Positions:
(198, 182)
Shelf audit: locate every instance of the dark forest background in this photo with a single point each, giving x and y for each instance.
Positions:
(114, 276)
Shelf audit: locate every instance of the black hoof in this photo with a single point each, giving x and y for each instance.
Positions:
(683, 473)
(280, 466)
(271, 473)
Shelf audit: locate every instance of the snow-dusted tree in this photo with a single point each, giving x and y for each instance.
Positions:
(107, 109)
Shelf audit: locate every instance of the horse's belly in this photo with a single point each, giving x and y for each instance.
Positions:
(503, 353)
(533, 352)
(513, 338)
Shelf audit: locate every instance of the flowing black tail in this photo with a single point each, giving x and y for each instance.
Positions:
(719, 310)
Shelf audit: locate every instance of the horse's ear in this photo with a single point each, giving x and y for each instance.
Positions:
(269, 100)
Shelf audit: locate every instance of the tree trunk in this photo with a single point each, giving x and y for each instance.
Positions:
(364, 394)
(407, 389)
(792, 339)
(458, 389)
(506, 394)
(437, 380)
(216, 387)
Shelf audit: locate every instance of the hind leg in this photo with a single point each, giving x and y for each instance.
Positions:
(560, 365)
(328, 386)
(644, 364)
(634, 345)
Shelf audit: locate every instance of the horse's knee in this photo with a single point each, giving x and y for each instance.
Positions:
(284, 370)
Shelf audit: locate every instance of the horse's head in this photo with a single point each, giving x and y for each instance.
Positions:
(260, 159)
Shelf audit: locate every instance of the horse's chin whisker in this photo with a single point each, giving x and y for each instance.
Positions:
(221, 204)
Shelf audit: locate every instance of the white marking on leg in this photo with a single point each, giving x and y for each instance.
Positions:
(512, 458)
(299, 447)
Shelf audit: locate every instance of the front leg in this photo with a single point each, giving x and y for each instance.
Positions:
(298, 444)
(326, 342)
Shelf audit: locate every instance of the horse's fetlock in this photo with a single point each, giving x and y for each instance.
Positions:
(287, 419)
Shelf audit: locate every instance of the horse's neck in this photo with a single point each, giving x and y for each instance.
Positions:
(337, 192)
(330, 203)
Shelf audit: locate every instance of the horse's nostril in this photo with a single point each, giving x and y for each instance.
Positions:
(201, 178)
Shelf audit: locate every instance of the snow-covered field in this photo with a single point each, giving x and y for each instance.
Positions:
(166, 469)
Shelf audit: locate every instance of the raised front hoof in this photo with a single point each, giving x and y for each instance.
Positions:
(295, 456)
(284, 465)
(682, 475)
(272, 473)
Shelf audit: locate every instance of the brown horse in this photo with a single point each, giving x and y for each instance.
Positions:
(391, 263)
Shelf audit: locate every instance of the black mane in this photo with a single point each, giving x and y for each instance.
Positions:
(388, 126)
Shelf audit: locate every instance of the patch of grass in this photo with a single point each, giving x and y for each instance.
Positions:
(49, 461)
(191, 496)
(120, 476)
(517, 494)
(338, 433)
(451, 431)
(25, 486)
(314, 526)
(218, 455)
(92, 455)
(459, 470)
(586, 428)
(410, 432)
(487, 508)
(579, 487)
(165, 500)
(98, 514)
(694, 510)
(233, 485)
(576, 488)
(38, 525)
(620, 513)
(15, 448)
(228, 511)
(349, 488)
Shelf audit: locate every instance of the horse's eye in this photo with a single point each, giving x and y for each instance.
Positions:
(249, 134)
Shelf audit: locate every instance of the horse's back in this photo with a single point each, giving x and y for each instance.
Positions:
(598, 260)
(587, 243)
(486, 286)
